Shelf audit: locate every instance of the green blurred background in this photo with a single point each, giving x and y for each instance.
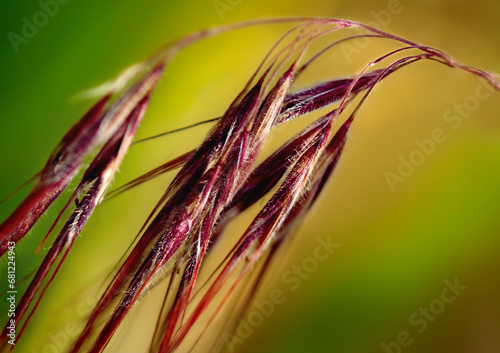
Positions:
(396, 247)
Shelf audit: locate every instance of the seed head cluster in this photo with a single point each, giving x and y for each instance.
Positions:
(214, 183)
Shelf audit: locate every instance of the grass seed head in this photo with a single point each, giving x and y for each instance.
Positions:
(215, 182)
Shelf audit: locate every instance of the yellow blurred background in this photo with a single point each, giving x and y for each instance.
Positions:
(399, 247)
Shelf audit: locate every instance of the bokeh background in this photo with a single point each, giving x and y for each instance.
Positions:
(397, 247)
